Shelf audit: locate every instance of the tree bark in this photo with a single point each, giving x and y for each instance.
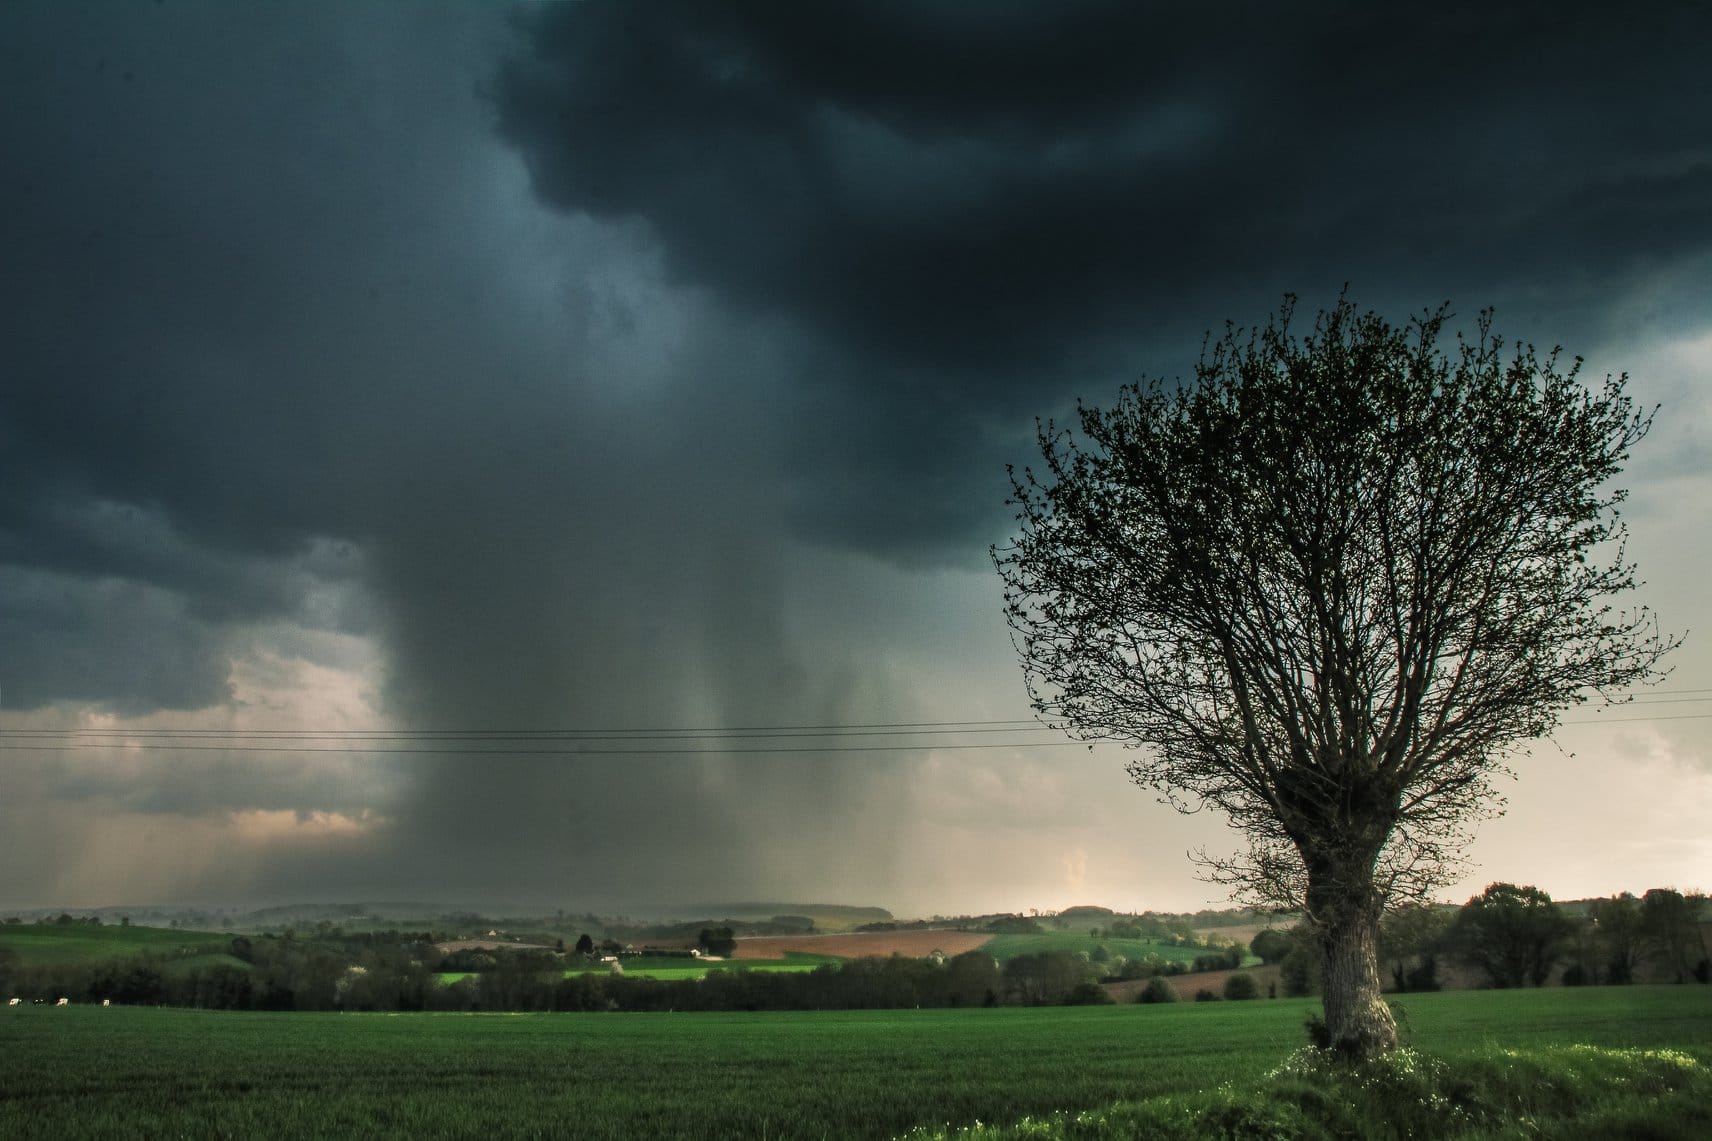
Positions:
(1358, 1023)
(1344, 909)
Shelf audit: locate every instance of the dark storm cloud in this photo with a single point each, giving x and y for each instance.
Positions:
(977, 208)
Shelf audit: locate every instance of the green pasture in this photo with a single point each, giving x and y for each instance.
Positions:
(144, 1072)
(51, 945)
(1003, 947)
(676, 969)
(673, 967)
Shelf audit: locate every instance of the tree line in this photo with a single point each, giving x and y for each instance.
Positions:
(290, 974)
(1512, 936)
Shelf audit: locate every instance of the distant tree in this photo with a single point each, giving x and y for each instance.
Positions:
(1241, 985)
(1410, 937)
(717, 941)
(1045, 976)
(1227, 959)
(1271, 945)
(1618, 938)
(1514, 934)
(1135, 968)
(135, 982)
(1088, 993)
(1299, 973)
(1697, 901)
(1158, 990)
(585, 944)
(1670, 924)
(973, 979)
(1014, 925)
(1328, 584)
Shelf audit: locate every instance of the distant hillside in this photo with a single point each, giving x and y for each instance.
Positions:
(47, 944)
(826, 916)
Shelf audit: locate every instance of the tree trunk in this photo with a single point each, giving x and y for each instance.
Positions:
(1358, 1023)
(1344, 909)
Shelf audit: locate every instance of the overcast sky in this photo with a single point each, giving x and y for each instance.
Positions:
(655, 366)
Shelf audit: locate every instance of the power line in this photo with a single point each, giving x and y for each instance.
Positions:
(855, 729)
(567, 752)
(675, 741)
(757, 732)
(1620, 720)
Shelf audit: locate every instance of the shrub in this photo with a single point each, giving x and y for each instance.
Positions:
(1299, 973)
(1227, 959)
(1272, 945)
(1241, 986)
(1088, 994)
(1205, 995)
(1159, 989)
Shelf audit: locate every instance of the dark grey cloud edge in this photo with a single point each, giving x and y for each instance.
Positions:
(972, 211)
(966, 193)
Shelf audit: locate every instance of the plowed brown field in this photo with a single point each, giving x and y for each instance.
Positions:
(1187, 985)
(913, 944)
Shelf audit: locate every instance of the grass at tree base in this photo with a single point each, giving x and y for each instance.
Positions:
(1569, 1092)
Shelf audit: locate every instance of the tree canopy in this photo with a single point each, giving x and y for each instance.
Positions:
(1514, 934)
(1325, 586)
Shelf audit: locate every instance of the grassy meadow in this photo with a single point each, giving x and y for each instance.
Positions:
(52, 944)
(145, 1072)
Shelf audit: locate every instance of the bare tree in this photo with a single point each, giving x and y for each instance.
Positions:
(1326, 586)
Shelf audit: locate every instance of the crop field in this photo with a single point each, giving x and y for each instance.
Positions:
(51, 944)
(143, 1072)
(1003, 947)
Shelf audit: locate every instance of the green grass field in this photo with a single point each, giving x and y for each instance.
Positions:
(50, 945)
(674, 969)
(134, 1072)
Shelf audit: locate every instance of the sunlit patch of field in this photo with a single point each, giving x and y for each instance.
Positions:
(676, 970)
(143, 1072)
